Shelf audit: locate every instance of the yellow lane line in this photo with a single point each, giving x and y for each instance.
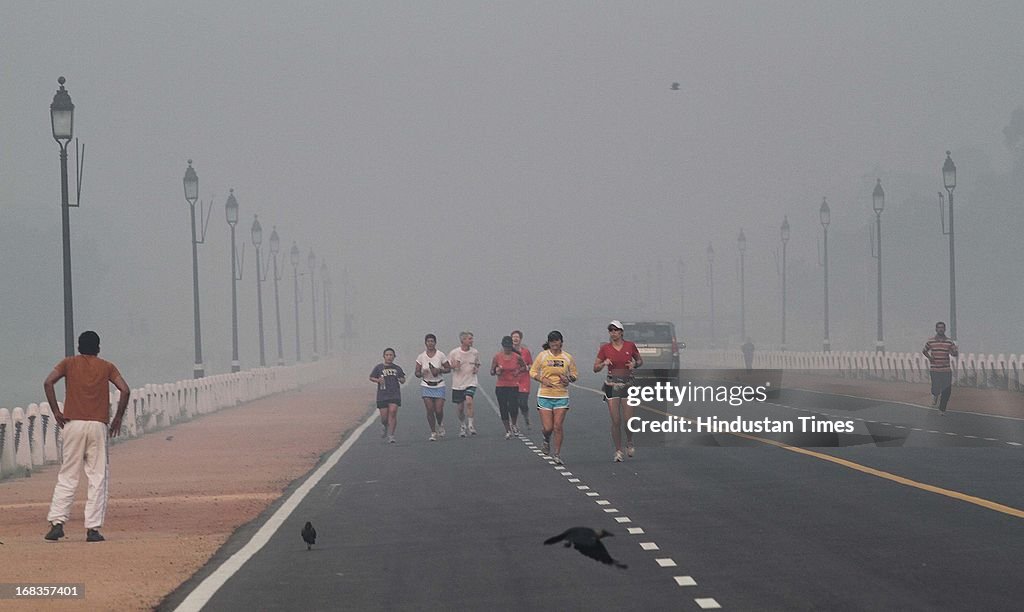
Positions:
(978, 501)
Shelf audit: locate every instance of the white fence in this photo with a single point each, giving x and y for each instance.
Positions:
(992, 371)
(30, 436)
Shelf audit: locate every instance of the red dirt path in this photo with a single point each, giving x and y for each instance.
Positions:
(173, 502)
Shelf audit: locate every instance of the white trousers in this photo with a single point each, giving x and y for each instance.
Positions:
(85, 446)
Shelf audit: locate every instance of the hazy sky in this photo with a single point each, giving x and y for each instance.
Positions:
(495, 165)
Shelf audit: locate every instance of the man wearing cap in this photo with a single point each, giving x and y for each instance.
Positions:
(621, 357)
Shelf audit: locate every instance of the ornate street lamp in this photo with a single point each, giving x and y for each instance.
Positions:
(257, 240)
(311, 261)
(275, 248)
(825, 216)
(231, 213)
(295, 273)
(191, 184)
(949, 181)
(878, 203)
(784, 233)
(62, 123)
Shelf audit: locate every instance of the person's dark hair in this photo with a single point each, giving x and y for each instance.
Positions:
(89, 343)
(430, 337)
(552, 336)
(506, 341)
(516, 331)
(942, 323)
(389, 349)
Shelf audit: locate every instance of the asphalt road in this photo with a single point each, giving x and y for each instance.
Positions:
(890, 517)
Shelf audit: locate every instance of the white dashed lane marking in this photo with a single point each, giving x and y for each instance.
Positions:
(707, 603)
(635, 530)
(649, 546)
(666, 562)
(685, 581)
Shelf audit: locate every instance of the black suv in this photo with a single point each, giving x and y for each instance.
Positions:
(656, 341)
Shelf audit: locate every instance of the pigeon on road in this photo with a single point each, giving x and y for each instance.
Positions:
(588, 542)
(309, 535)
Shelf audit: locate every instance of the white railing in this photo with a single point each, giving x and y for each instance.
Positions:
(991, 371)
(30, 437)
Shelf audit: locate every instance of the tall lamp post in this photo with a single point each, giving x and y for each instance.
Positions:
(682, 296)
(257, 240)
(949, 180)
(324, 289)
(295, 274)
(62, 122)
(191, 183)
(312, 289)
(741, 243)
(878, 203)
(275, 248)
(711, 286)
(784, 233)
(231, 212)
(825, 215)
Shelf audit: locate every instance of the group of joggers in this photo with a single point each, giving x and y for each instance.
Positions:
(514, 368)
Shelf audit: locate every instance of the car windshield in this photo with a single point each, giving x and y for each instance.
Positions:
(645, 333)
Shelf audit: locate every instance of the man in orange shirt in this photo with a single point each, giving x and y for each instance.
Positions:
(84, 433)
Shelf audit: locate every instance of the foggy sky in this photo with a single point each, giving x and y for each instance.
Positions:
(486, 166)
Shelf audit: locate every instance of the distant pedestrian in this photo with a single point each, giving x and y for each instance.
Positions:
(524, 380)
(621, 357)
(748, 354)
(389, 377)
(508, 365)
(431, 365)
(555, 370)
(85, 431)
(465, 363)
(938, 349)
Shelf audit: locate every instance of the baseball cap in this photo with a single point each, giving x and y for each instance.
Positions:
(616, 324)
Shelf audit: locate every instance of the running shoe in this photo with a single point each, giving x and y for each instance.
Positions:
(462, 431)
(618, 456)
(545, 447)
(472, 430)
(433, 436)
(508, 435)
(515, 431)
(558, 460)
(630, 449)
(440, 431)
(391, 439)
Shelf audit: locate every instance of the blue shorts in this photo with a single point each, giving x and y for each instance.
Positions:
(437, 391)
(460, 395)
(551, 403)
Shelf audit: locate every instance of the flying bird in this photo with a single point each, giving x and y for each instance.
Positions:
(588, 542)
(675, 86)
(309, 535)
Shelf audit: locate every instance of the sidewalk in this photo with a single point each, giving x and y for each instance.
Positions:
(175, 497)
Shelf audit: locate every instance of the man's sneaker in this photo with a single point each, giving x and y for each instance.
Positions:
(630, 449)
(462, 431)
(515, 431)
(433, 436)
(472, 430)
(545, 447)
(558, 460)
(508, 435)
(56, 532)
(935, 401)
(93, 535)
(618, 456)
(391, 439)
(440, 431)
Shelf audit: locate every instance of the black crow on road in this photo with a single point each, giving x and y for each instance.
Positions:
(309, 535)
(588, 542)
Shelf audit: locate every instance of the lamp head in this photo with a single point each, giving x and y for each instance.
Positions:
(231, 208)
(191, 182)
(62, 115)
(949, 173)
(824, 213)
(878, 197)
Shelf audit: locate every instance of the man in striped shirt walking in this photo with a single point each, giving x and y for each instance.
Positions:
(938, 349)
